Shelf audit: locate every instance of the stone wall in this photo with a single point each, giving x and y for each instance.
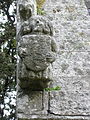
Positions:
(71, 69)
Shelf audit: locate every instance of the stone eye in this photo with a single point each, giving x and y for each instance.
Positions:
(37, 21)
(25, 12)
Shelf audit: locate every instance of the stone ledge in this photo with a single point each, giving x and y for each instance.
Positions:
(53, 117)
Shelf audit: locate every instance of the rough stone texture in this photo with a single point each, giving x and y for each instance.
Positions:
(87, 3)
(32, 103)
(37, 50)
(25, 9)
(73, 99)
(71, 69)
(36, 56)
(56, 118)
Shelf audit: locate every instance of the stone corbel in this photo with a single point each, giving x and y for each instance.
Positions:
(37, 50)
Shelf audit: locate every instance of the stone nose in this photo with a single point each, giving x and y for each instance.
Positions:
(38, 21)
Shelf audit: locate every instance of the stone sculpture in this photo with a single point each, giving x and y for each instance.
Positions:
(37, 65)
(37, 51)
(26, 9)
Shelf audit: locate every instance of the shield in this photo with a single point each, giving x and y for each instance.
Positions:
(38, 52)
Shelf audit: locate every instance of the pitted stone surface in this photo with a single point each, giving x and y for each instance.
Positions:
(37, 51)
(72, 64)
(73, 98)
(26, 9)
(37, 25)
(71, 69)
(32, 103)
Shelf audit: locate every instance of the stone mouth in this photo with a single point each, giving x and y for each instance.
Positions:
(37, 30)
(32, 33)
(26, 33)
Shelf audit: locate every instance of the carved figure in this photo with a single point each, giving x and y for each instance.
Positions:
(26, 9)
(37, 52)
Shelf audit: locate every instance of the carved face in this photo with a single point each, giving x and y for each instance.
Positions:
(37, 25)
(25, 11)
(36, 43)
(27, 8)
(35, 47)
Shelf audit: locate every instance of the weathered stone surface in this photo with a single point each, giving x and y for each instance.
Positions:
(36, 55)
(71, 34)
(71, 23)
(54, 117)
(32, 103)
(25, 9)
(87, 3)
(71, 69)
(71, 64)
(37, 25)
(37, 50)
(73, 98)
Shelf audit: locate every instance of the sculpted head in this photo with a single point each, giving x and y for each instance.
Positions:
(36, 47)
(26, 9)
(37, 25)
(40, 24)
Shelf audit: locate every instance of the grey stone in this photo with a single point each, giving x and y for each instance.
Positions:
(37, 25)
(73, 98)
(71, 68)
(37, 50)
(71, 64)
(87, 3)
(25, 9)
(32, 103)
(53, 117)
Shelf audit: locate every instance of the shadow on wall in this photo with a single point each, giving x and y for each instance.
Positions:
(87, 2)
